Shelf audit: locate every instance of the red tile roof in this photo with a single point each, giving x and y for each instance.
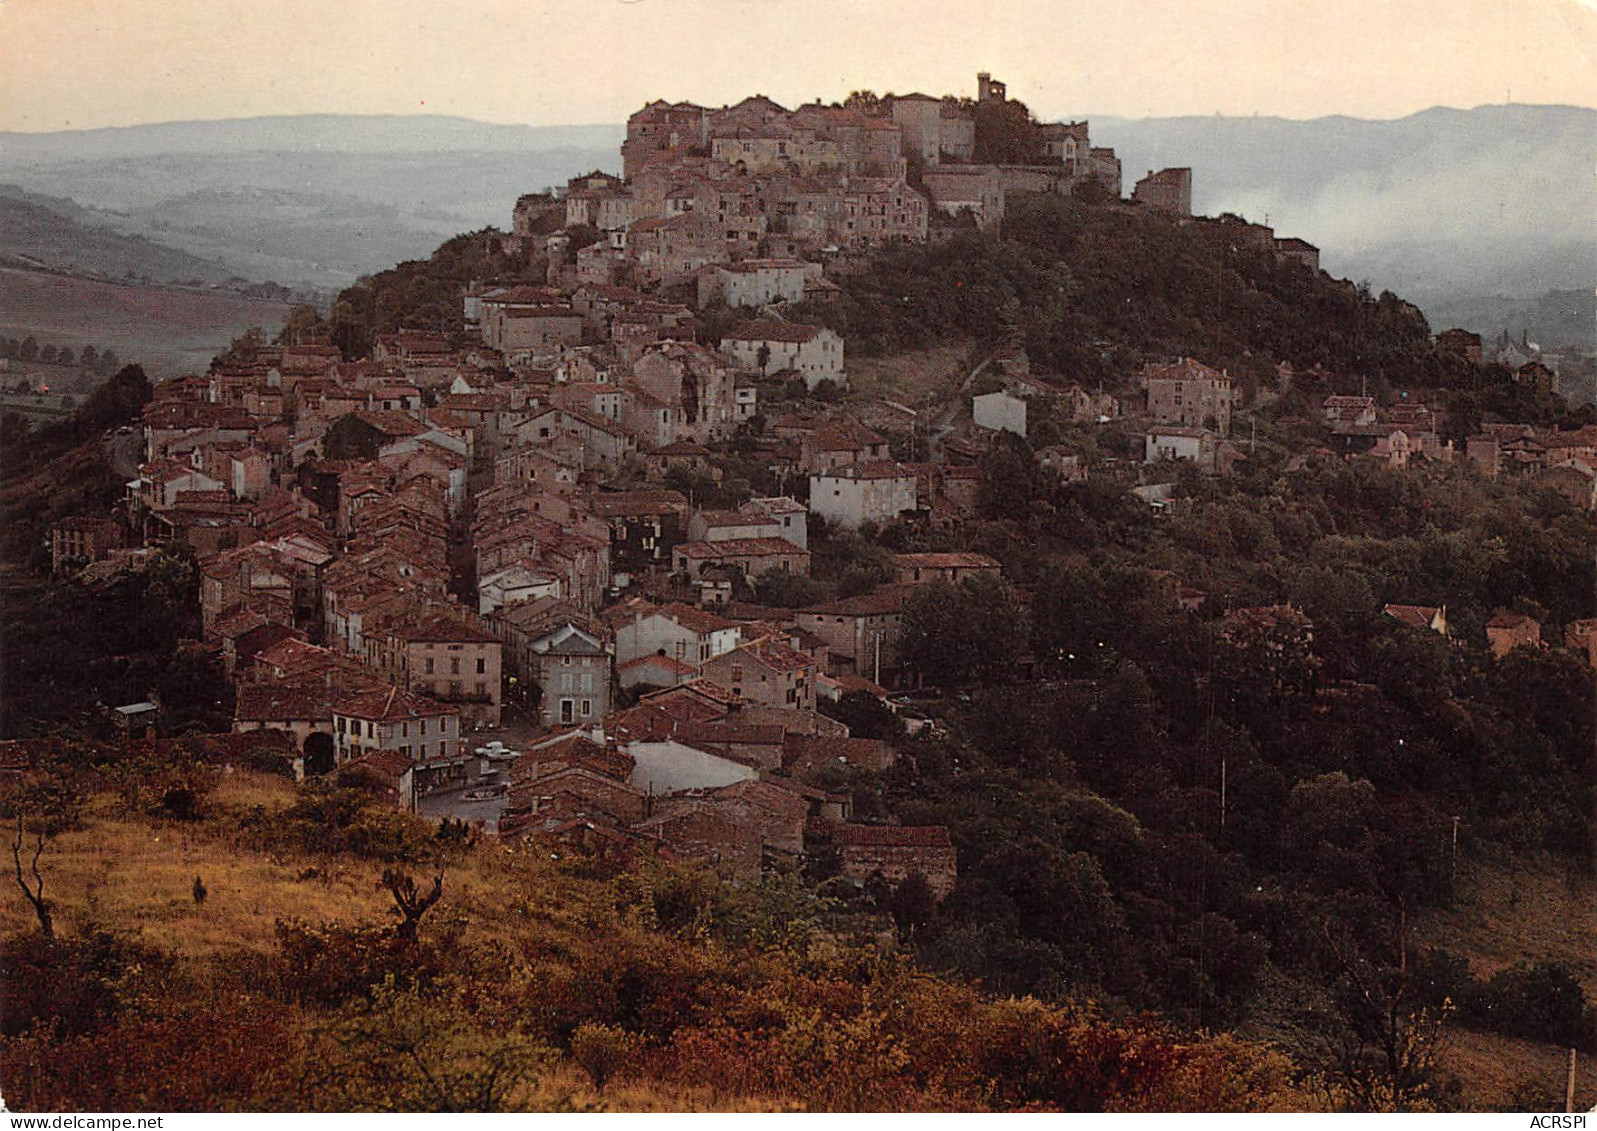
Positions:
(740, 548)
(771, 331)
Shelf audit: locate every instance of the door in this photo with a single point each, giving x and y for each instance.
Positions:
(567, 711)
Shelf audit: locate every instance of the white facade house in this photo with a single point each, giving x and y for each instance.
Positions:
(513, 585)
(393, 719)
(790, 517)
(572, 667)
(1001, 411)
(872, 492)
(680, 632)
(760, 282)
(1176, 442)
(814, 352)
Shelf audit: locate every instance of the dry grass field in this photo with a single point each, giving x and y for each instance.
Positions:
(912, 377)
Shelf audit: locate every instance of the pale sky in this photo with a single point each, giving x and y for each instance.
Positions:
(78, 64)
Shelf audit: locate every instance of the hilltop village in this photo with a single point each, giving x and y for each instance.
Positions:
(498, 573)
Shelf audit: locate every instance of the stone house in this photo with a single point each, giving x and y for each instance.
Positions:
(920, 569)
(80, 539)
(749, 556)
(1190, 393)
(861, 633)
(766, 673)
(896, 852)
(756, 282)
(602, 444)
(776, 813)
(813, 352)
(1581, 636)
(390, 718)
(1349, 410)
(974, 189)
(442, 657)
(645, 526)
(839, 443)
(695, 385)
(514, 585)
(654, 670)
(673, 250)
(1460, 343)
(387, 775)
(789, 518)
(1168, 191)
(1507, 631)
(1174, 442)
(678, 632)
(557, 646)
(696, 832)
(1574, 480)
(1291, 249)
(850, 497)
(1104, 167)
(724, 526)
(299, 708)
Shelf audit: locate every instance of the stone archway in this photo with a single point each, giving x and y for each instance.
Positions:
(319, 756)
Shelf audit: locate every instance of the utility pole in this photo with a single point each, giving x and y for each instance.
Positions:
(1222, 791)
(1569, 1084)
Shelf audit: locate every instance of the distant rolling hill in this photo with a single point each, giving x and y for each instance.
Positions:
(59, 234)
(317, 199)
(1475, 214)
(1443, 206)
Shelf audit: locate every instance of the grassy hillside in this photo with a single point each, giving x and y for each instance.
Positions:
(536, 982)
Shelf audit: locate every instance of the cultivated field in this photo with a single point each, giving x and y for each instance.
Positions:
(167, 330)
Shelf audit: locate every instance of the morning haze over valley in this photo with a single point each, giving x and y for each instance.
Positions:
(667, 556)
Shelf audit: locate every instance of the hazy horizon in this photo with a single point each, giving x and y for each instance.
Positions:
(123, 63)
(621, 122)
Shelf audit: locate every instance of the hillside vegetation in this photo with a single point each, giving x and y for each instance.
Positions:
(534, 982)
(1091, 286)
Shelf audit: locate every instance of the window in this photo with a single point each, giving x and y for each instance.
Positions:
(587, 707)
(404, 730)
(482, 688)
(424, 728)
(454, 689)
(454, 665)
(424, 750)
(429, 667)
(482, 666)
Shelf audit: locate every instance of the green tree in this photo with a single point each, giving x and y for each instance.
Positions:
(953, 634)
(1009, 479)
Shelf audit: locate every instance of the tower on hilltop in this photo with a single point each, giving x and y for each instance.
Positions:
(989, 89)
